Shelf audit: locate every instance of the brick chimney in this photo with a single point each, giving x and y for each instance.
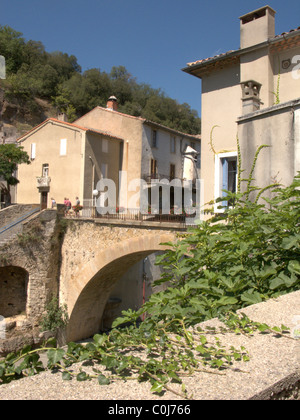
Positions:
(257, 26)
(112, 103)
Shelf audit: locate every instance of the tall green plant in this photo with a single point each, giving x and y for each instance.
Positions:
(245, 255)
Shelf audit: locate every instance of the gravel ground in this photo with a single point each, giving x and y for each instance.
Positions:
(272, 360)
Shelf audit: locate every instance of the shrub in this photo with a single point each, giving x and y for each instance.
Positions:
(240, 257)
(56, 316)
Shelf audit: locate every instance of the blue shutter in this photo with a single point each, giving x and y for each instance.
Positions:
(224, 181)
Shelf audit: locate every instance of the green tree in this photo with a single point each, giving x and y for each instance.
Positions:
(34, 73)
(11, 156)
(12, 48)
(65, 65)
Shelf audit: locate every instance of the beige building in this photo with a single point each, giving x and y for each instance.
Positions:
(252, 92)
(68, 160)
(151, 151)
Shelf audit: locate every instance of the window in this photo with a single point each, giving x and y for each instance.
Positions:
(173, 144)
(225, 176)
(104, 170)
(154, 138)
(153, 168)
(104, 145)
(63, 147)
(45, 170)
(172, 171)
(33, 151)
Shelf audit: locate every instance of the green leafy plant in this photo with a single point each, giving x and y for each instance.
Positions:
(56, 316)
(244, 255)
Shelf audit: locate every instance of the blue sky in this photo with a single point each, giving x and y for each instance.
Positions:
(153, 39)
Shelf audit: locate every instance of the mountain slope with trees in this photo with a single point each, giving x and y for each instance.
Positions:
(39, 82)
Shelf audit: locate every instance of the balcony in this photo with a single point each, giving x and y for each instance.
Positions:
(157, 177)
(43, 182)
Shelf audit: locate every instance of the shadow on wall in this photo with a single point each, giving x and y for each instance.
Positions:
(13, 290)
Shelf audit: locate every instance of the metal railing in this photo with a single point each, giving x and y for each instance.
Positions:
(19, 220)
(135, 215)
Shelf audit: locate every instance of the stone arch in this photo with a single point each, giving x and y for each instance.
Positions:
(13, 290)
(90, 287)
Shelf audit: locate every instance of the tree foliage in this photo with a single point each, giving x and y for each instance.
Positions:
(11, 155)
(33, 72)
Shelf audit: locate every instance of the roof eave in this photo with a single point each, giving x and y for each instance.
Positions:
(172, 130)
(197, 68)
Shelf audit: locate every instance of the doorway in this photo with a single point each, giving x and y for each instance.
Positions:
(44, 200)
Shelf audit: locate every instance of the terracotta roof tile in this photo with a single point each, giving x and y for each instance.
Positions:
(104, 133)
(238, 51)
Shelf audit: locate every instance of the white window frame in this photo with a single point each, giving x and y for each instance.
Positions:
(63, 147)
(218, 176)
(45, 170)
(33, 151)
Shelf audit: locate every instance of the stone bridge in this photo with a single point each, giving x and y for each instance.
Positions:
(83, 261)
(95, 256)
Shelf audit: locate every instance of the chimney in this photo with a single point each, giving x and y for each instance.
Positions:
(257, 26)
(250, 96)
(112, 103)
(62, 117)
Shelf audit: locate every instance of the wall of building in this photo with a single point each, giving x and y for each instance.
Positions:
(285, 74)
(164, 154)
(221, 103)
(103, 159)
(64, 170)
(278, 128)
(123, 126)
(257, 65)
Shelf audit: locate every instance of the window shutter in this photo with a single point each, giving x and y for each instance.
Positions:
(63, 147)
(33, 151)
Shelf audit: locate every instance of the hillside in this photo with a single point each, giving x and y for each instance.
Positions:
(40, 84)
(17, 117)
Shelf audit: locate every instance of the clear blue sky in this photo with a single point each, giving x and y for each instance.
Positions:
(153, 39)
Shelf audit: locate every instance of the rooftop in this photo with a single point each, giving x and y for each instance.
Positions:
(145, 121)
(71, 125)
(278, 43)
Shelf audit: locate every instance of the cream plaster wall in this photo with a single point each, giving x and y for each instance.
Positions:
(277, 128)
(64, 171)
(289, 78)
(221, 103)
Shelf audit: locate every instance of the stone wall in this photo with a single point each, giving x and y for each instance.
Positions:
(54, 258)
(14, 212)
(29, 268)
